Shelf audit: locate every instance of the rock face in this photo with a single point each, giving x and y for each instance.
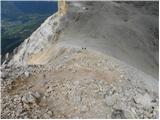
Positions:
(68, 68)
(41, 39)
(44, 37)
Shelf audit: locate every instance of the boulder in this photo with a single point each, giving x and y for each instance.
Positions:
(31, 97)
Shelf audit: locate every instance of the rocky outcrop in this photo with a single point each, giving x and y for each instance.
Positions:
(79, 84)
(42, 39)
(62, 7)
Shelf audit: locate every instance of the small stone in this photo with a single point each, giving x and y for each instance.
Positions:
(118, 114)
(6, 56)
(44, 98)
(4, 75)
(28, 98)
(31, 97)
(46, 116)
(27, 74)
(84, 108)
(65, 57)
(19, 111)
(17, 98)
(77, 98)
(121, 76)
(49, 90)
(144, 100)
(110, 100)
(36, 94)
(116, 66)
(128, 79)
(26, 106)
(133, 110)
(50, 113)
(46, 94)
(26, 117)
(149, 115)
(98, 64)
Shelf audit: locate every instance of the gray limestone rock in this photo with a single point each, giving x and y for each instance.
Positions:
(118, 114)
(27, 74)
(31, 97)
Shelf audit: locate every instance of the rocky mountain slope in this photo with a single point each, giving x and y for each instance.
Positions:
(89, 60)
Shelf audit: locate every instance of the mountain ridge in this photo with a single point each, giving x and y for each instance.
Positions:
(88, 60)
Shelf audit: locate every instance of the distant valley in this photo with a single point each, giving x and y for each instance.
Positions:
(20, 19)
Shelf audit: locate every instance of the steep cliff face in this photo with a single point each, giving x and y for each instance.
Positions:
(89, 60)
(62, 7)
(42, 39)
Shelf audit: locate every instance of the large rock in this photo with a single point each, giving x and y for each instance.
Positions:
(118, 114)
(31, 97)
(144, 100)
